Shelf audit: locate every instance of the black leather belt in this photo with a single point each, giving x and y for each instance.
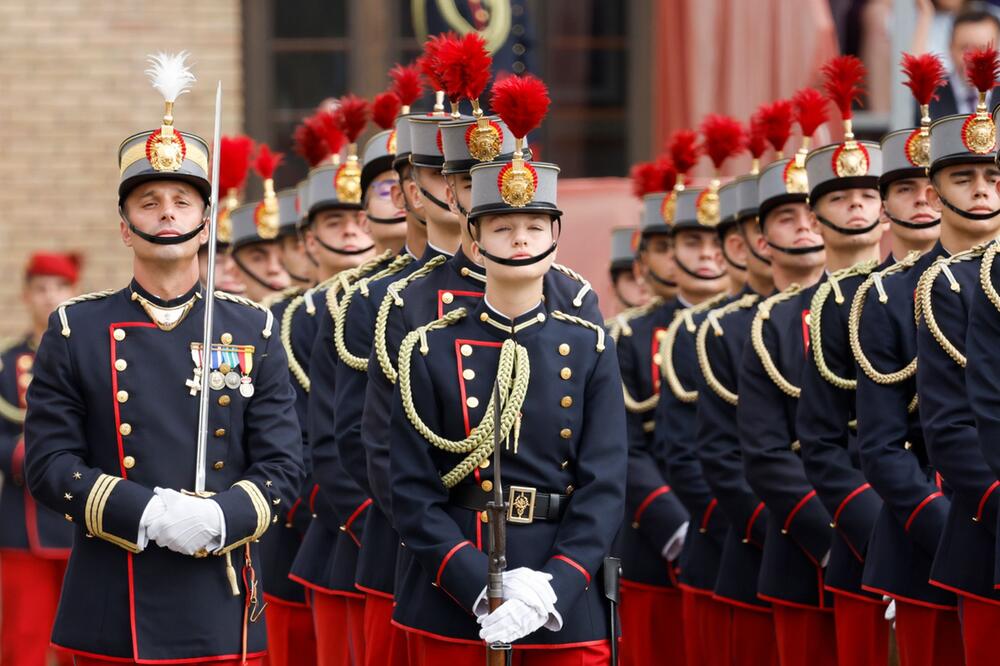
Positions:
(524, 505)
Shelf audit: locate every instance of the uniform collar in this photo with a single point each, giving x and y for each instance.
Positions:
(501, 326)
(468, 269)
(433, 251)
(167, 314)
(136, 288)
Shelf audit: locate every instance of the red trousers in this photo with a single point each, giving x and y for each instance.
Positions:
(706, 629)
(29, 596)
(862, 632)
(94, 661)
(751, 637)
(385, 643)
(291, 637)
(806, 636)
(339, 622)
(652, 626)
(928, 636)
(427, 651)
(980, 623)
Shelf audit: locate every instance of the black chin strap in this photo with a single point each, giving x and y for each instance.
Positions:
(409, 208)
(386, 220)
(746, 240)
(796, 250)
(912, 225)
(966, 214)
(729, 260)
(527, 261)
(253, 276)
(297, 278)
(437, 202)
(694, 274)
(661, 280)
(162, 240)
(847, 231)
(624, 300)
(346, 253)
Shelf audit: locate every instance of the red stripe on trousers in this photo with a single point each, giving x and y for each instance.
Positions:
(706, 630)
(652, 626)
(979, 630)
(862, 632)
(927, 636)
(806, 637)
(339, 623)
(385, 643)
(426, 651)
(291, 637)
(29, 595)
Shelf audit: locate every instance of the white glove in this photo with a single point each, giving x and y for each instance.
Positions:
(676, 543)
(154, 510)
(525, 584)
(529, 605)
(514, 619)
(890, 611)
(189, 525)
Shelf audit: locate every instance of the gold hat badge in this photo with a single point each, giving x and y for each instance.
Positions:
(925, 73)
(842, 83)
(981, 68)
(170, 75)
(521, 102)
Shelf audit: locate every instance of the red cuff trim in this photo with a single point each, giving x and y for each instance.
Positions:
(457, 547)
(985, 497)
(662, 490)
(291, 512)
(920, 507)
(17, 460)
(312, 499)
(354, 516)
(753, 519)
(707, 516)
(798, 507)
(574, 565)
(854, 493)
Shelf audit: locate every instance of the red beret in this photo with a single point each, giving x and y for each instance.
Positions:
(59, 265)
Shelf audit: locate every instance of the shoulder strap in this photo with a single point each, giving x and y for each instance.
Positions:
(712, 320)
(93, 296)
(831, 285)
(618, 325)
(757, 339)
(232, 298)
(580, 321)
(585, 285)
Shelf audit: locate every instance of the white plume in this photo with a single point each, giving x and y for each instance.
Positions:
(170, 74)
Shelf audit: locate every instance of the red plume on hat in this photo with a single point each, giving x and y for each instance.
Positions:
(234, 165)
(645, 178)
(723, 137)
(266, 162)
(842, 83)
(266, 216)
(308, 142)
(981, 70)
(756, 141)
(464, 65)
(810, 112)
(521, 102)
(64, 265)
(326, 125)
(406, 84)
(684, 152)
(352, 116)
(925, 73)
(776, 120)
(430, 66)
(385, 108)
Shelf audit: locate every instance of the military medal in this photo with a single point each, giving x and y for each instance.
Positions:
(245, 356)
(246, 387)
(232, 380)
(216, 380)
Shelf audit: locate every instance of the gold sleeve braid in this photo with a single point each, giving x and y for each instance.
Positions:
(854, 323)
(701, 344)
(667, 370)
(831, 285)
(97, 501)
(393, 297)
(513, 372)
(339, 311)
(924, 297)
(757, 339)
(261, 508)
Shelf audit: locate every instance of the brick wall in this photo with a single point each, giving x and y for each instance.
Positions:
(71, 88)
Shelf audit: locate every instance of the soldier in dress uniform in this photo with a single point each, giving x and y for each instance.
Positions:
(847, 208)
(329, 553)
(718, 345)
(702, 284)
(655, 521)
(564, 470)
(255, 248)
(965, 177)
(34, 540)
(796, 537)
(630, 288)
(156, 574)
(890, 441)
(298, 263)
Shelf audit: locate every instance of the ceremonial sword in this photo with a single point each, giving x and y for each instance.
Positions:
(497, 654)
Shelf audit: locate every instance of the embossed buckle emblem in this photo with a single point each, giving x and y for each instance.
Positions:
(521, 505)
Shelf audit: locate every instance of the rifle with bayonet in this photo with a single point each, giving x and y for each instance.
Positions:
(497, 654)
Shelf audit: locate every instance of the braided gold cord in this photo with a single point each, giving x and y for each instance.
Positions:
(565, 270)
(925, 290)
(285, 294)
(986, 277)
(286, 341)
(854, 323)
(393, 297)
(667, 370)
(757, 339)
(339, 311)
(61, 309)
(618, 325)
(579, 321)
(513, 372)
(832, 283)
(701, 345)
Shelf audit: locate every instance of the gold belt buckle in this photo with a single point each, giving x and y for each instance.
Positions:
(521, 505)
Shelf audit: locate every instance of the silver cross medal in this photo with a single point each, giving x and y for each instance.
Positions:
(195, 382)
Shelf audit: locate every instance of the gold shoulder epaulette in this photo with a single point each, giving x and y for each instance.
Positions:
(685, 317)
(393, 297)
(712, 320)
(580, 321)
(854, 322)
(619, 324)
(232, 298)
(93, 296)
(924, 307)
(285, 332)
(282, 296)
(585, 285)
(831, 286)
(339, 311)
(757, 339)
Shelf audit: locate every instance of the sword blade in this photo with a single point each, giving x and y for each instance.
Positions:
(202, 450)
